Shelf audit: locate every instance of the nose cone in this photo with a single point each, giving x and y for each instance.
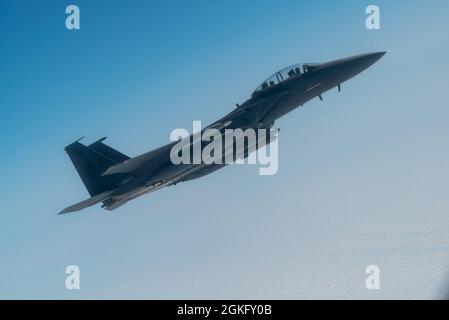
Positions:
(369, 58)
(354, 65)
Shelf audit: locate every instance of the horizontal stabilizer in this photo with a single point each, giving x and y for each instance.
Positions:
(156, 157)
(87, 203)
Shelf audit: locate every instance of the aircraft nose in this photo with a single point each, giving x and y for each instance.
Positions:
(361, 62)
(371, 58)
(349, 67)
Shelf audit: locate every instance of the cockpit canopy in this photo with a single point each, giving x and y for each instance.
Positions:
(286, 73)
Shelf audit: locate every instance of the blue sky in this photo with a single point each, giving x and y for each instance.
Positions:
(362, 177)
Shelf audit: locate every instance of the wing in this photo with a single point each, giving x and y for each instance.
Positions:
(88, 202)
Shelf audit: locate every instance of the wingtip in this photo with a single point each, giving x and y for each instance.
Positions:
(67, 210)
(62, 212)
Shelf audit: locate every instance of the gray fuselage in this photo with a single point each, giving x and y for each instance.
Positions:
(271, 103)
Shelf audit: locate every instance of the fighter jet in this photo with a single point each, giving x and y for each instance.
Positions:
(114, 179)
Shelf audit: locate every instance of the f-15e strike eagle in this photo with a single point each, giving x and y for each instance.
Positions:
(114, 178)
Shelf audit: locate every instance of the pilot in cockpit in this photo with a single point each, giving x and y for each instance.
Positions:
(294, 72)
